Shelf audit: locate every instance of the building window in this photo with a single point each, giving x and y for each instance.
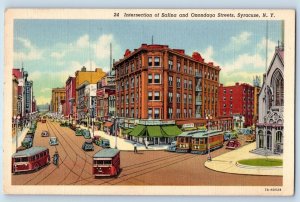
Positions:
(149, 95)
(132, 67)
(170, 81)
(278, 86)
(157, 78)
(178, 98)
(185, 113)
(170, 64)
(132, 113)
(224, 105)
(136, 113)
(190, 113)
(132, 97)
(127, 99)
(224, 98)
(156, 113)
(177, 113)
(170, 97)
(149, 113)
(279, 137)
(185, 84)
(132, 82)
(127, 85)
(178, 82)
(137, 81)
(156, 61)
(224, 91)
(150, 61)
(156, 95)
(190, 99)
(170, 113)
(126, 112)
(149, 78)
(191, 70)
(178, 66)
(190, 84)
(184, 98)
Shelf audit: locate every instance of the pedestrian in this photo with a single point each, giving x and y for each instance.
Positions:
(56, 158)
(135, 148)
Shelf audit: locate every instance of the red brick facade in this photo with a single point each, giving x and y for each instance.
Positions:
(157, 82)
(237, 100)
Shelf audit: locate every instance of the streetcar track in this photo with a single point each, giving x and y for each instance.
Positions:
(43, 171)
(76, 160)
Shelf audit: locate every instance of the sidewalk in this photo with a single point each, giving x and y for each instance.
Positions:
(21, 136)
(126, 145)
(227, 163)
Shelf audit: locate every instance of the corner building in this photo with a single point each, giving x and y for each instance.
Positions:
(155, 82)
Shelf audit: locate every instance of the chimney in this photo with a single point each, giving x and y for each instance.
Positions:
(83, 69)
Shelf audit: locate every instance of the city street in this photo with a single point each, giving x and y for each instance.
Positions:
(144, 168)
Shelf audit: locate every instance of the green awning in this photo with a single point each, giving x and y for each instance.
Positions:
(127, 131)
(154, 131)
(139, 130)
(171, 130)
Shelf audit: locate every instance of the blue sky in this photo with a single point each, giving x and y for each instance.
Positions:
(51, 50)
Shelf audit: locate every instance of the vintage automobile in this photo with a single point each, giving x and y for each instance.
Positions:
(104, 143)
(86, 134)
(96, 138)
(53, 141)
(250, 138)
(45, 133)
(30, 159)
(79, 132)
(27, 142)
(229, 135)
(106, 162)
(73, 127)
(172, 147)
(64, 124)
(233, 144)
(88, 145)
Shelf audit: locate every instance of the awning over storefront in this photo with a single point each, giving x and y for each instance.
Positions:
(108, 124)
(154, 131)
(171, 131)
(139, 130)
(127, 131)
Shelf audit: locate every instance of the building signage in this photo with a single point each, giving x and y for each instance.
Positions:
(28, 97)
(188, 125)
(156, 122)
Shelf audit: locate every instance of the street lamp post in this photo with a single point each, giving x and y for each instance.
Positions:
(17, 118)
(116, 131)
(208, 119)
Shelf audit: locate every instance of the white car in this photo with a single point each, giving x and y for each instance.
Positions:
(53, 141)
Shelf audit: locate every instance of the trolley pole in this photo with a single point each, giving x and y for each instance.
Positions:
(208, 118)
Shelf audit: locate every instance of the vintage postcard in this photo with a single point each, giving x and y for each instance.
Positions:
(149, 102)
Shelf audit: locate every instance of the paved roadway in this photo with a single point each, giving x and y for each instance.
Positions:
(144, 168)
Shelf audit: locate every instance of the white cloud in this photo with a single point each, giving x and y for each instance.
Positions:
(208, 54)
(83, 41)
(102, 46)
(238, 41)
(261, 47)
(31, 52)
(41, 100)
(57, 55)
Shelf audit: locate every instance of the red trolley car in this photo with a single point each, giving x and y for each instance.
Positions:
(106, 162)
(30, 159)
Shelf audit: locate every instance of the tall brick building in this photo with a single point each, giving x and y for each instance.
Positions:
(237, 100)
(155, 82)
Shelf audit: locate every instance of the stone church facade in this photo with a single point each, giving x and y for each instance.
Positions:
(269, 128)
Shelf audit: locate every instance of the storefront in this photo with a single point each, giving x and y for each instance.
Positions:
(107, 126)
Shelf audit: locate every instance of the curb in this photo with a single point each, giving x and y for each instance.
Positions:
(255, 167)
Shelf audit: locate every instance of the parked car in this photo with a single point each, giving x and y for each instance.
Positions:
(103, 143)
(29, 135)
(172, 147)
(73, 127)
(79, 132)
(64, 124)
(88, 145)
(53, 141)
(27, 142)
(96, 138)
(45, 133)
(229, 135)
(86, 134)
(233, 144)
(250, 138)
